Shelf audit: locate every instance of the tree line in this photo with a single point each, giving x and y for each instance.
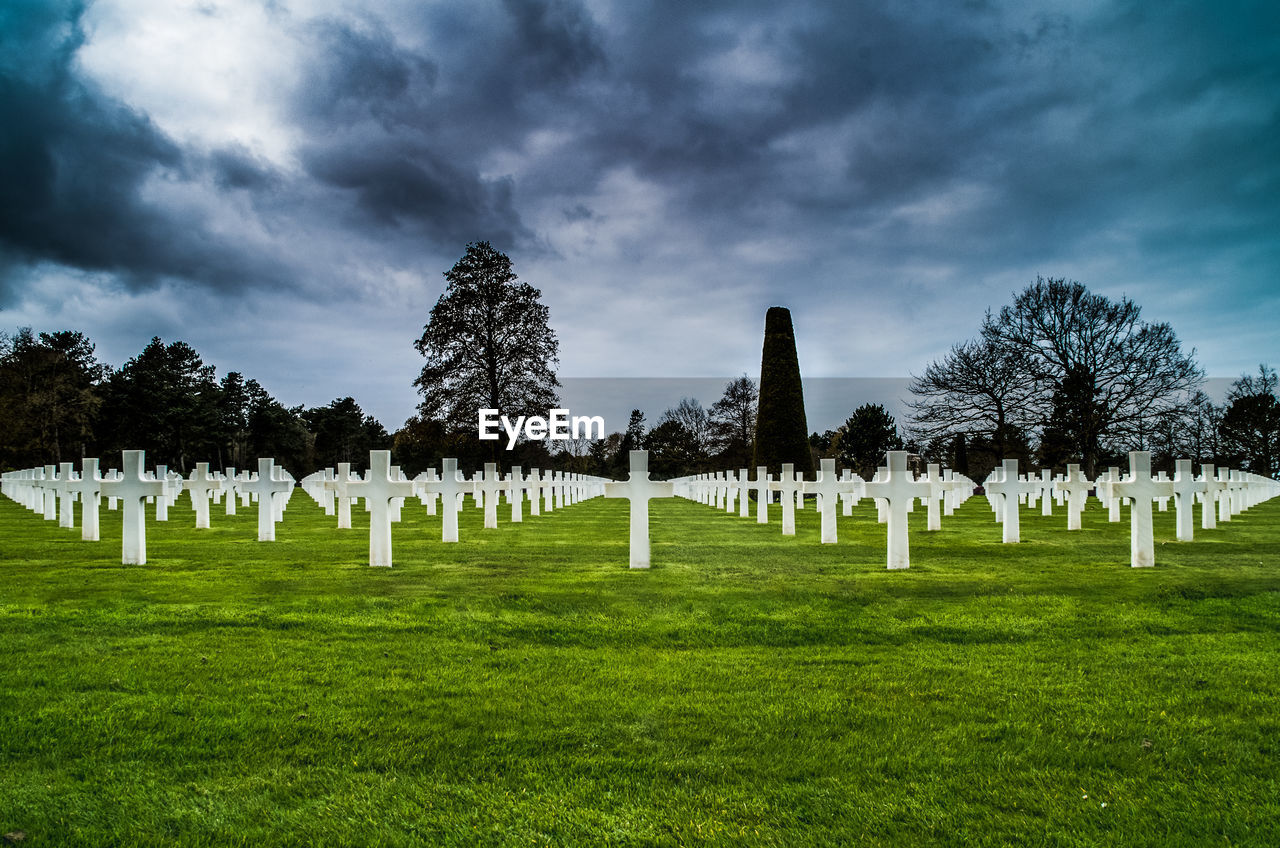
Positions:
(1059, 375)
(58, 403)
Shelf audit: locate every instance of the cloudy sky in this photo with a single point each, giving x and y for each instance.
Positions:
(282, 184)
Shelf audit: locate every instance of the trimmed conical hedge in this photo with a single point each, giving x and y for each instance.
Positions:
(782, 434)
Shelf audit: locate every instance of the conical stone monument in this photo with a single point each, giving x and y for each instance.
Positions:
(782, 433)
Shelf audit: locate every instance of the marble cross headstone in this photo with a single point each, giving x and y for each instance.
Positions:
(1185, 488)
(763, 489)
(896, 489)
(933, 477)
(380, 488)
(1076, 488)
(1208, 517)
(268, 485)
(515, 494)
(827, 487)
(488, 486)
(787, 488)
(202, 485)
(639, 489)
(535, 492)
(452, 490)
(1141, 489)
(1008, 487)
(133, 487)
(343, 493)
(89, 488)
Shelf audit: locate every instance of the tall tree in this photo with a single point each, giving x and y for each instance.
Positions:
(632, 439)
(697, 425)
(165, 400)
(979, 389)
(673, 449)
(50, 393)
(343, 433)
(487, 343)
(1250, 424)
(865, 437)
(1116, 373)
(781, 429)
(733, 422)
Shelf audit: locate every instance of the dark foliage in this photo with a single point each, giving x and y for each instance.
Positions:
(781, 429)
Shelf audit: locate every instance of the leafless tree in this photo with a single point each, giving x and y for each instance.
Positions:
(981, 388)
(1115, 375)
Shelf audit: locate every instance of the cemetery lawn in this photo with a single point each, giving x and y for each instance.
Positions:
(524, 687)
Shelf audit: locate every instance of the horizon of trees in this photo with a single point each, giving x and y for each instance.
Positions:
(986, 400)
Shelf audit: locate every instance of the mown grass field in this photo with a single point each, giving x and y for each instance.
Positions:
(524, 687)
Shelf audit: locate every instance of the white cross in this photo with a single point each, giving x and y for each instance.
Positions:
(1208, 503)
(1185, 489)
(1009, 487)
(515, 493)
(328, 501)
(89, 487)
(427, 493)
(488, 486)
(66, 495)
(787, 488)
(49, 485)
(763, 488)
(1044, 489)
(133, 487)
(639, 489)
(937, 487)
(547, 485)
(381, 486)
(345, 495)
(452, 490)
(744, 488)
(230, 483)
(827, 487)
(1075, 486)
(162, 500)
(267, 485)
(896, 488)
(534, 486)
(1237, 492)
(851, 492)
(1141, 489)
(732, 490)
(202, 485)
(1106, 493)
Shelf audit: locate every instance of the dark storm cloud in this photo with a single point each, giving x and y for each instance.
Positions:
(842, 145)
(237, 168)
(398, 186)
(74, 164)
(372, 116)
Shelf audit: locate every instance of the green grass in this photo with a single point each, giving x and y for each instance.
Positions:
(524, 687)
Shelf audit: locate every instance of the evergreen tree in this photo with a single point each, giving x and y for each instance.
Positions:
(865, 437)
(781, 429)
(488, 345)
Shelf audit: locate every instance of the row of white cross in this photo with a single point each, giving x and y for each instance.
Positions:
(1221, 493)
(896, 489)
(52, 492)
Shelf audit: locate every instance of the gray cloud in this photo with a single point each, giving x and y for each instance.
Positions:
(654, 160)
